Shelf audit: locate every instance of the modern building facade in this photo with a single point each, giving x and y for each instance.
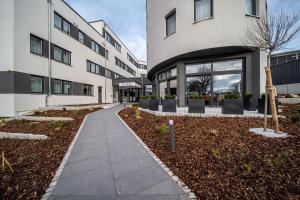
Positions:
(197, 46)
(284, 57)
(50, 55)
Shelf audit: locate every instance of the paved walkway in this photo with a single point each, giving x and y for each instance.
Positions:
(107, 162)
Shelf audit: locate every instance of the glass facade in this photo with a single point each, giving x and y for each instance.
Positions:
(214, 79)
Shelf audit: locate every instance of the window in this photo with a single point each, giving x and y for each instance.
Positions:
(203, 9)
(95, 47)
(171, 23)
(112, 41)
(62, 55)
(61, 87)
(108, 74)
(252, 7)
(228, 65)
(62, 24)
(57, 86)
(198, 68)
(168, 74)
(88, 90)
(106, 54)
(81, 37)
(36, 45)
(36, 84)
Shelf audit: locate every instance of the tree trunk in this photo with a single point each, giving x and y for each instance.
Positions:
(270, 92)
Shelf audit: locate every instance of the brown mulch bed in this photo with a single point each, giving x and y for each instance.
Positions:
(35, 161)
(289, 110)
(218, 158)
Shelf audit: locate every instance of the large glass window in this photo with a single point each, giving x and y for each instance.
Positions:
(57, 21)
(171, 23)
(95, 47)
(88, 90)
(168, 74)
(198, 68)
(252, 7)
(58, 54)
(162, 89)
(228, 65)
(227, 83)
(36, 45)
(203, 9)
(36, 84)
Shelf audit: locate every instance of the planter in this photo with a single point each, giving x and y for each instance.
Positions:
(250, 104)
(196, 105)
(144, 103)
(233, 106)
(153, 104)
(169, 105)
(261, 106)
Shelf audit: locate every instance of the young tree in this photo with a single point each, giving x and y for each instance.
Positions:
(271, 34)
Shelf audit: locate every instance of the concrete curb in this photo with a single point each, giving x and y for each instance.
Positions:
(158, 113)
(22, 136)
(181, 184)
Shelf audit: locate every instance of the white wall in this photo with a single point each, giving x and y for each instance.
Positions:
(226, 28)
(7, 105)
(6, 35)
(288, 88)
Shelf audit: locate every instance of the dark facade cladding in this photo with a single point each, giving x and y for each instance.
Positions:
(19, 83)
(286, 73)
(180, 82)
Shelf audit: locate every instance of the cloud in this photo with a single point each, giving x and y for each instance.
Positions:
(139, 46)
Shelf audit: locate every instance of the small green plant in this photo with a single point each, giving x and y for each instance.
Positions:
(248, 96)
(144, 97)
(232, 95)
(217, 154)
(2, 122)
(214, 132)
(295, 117)
(153, 97)
(169, 96)
(196, 95)
(57, 125)
(164, 130)
(138, 114)
(248, 168)
(262, 95)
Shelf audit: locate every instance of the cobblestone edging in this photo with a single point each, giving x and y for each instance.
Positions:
(181, 184)
(158, 113)
(22, 136)
(38, 118)
(62, 164)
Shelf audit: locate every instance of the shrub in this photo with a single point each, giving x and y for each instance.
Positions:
(164, 129)
(2, 122)
(196, 95)
(144, 97)
(169, 96)
(295, 118)
(262, 95)
(57, 125)
(232, 95)
(138, 114)
(153, 97)
(248, 96)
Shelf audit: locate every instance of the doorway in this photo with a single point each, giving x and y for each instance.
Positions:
(100, 95)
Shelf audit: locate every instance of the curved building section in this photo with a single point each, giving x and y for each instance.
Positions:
(197, 46)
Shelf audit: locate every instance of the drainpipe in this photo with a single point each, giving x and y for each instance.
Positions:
(49, 51)
(104, 44)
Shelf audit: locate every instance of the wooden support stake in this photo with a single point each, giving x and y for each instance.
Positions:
(5, 161)
(3, 164)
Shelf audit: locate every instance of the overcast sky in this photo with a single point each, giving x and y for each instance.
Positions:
(127, 18)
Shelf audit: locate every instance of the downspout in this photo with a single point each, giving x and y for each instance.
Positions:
(49, 52)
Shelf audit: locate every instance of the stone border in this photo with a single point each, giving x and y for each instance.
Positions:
(63, 162)
(41, 118)
(159, 113)
(22, 136)
(181, 184)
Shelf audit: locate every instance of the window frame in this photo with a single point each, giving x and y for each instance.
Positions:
(87, 88)
(43, 84)
(41, 40)
(63, 83)
(211, 12)
(81, 40)
(62, 22)
(255, 8)
(63, 51)
(170, 14)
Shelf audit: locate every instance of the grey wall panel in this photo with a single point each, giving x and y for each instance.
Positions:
(74, 32)
(6, 82)
(286, 73)
(77, 89)
(21, 83)
(45, 48)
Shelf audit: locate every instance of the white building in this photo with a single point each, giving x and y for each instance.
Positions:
(197, 46)
(74, 60)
